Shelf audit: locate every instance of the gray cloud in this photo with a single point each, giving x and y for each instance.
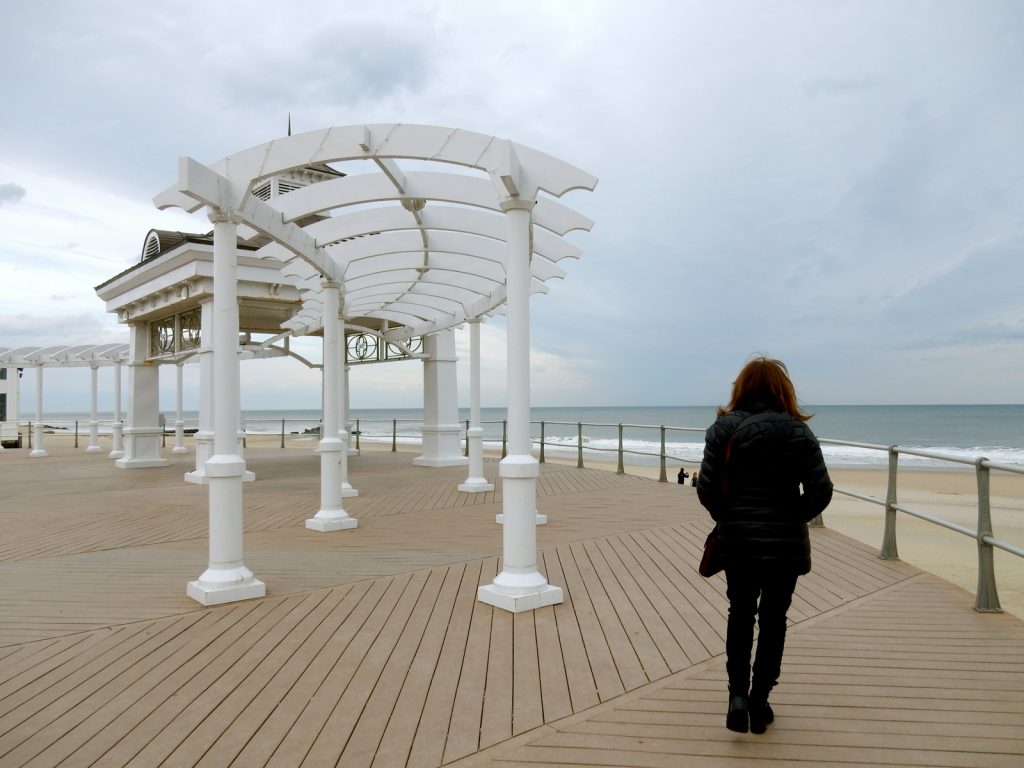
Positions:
(11, 193)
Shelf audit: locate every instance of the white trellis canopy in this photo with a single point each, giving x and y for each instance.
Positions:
(63, 357)
(415, 251)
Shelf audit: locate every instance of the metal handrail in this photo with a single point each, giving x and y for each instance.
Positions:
(986, 597)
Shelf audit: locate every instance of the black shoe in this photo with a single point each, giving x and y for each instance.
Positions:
(761, 716)
(737, 719)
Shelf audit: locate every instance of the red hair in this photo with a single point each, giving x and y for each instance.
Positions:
(765, 383)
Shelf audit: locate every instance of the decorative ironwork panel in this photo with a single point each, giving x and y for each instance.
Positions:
(161, 337)
(414, 345)
(362, 348)
(190, 330)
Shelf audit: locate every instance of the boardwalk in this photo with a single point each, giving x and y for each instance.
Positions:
(371, 650)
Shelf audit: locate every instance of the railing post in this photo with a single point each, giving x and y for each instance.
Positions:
(244, 445)
(621, 469)
(579, 445)
(504, 438)
(30, 434)
(282, 433)
(466, 451)
(987, 598)
(662, 476)
(76, 433)
(542, 442)
(394, 435)
(889, 551)
(358, 433)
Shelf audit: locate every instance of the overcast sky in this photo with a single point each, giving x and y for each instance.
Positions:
(838, 184)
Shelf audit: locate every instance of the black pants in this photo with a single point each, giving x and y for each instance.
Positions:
(768, 597)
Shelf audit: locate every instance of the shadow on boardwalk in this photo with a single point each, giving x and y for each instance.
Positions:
(370, 648)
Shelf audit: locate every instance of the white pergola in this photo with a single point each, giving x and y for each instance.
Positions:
(405, 249)
(95, 356)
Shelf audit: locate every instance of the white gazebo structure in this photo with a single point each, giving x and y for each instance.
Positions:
(381, 239)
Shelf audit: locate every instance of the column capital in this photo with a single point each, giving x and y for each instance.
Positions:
(221, 216)
(517, 204)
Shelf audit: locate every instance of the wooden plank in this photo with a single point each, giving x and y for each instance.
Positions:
(431, 725)
(496, 723)
(467, 711)
(579, 676)
(527, 706)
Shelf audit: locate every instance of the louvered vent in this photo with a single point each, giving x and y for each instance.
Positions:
(152, 246)
(262, 192)
(284, 187)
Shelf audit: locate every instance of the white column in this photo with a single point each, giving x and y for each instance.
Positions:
(179, 424)
(38, 448)
(143, 432)
(344, 432)
(520, 586)
(476, 482)
(204, 435)
(441, 428)
(332, 515)
(94, 424)
(226, 579)
(352, 450)
(117, 449)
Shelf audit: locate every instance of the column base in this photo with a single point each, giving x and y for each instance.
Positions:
(140, 463)
(476, 486)
(347, 491)
(115, 454)
(541, 519)
(546, 595)
(451, 461)
(38, 453)
(327, 524)
(197, 477)
(94, 449)
(206, 594)
(176, 449)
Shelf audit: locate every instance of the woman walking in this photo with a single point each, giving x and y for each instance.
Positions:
(762, 479)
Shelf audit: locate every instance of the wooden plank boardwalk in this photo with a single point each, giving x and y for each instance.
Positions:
(371, 649)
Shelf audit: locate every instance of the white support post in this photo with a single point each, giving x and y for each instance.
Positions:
(332, 515)
(352, 450)
(204, 434)
(476, 482)
(94, 424)
(179, 424)
(441, 428)
(226, 578)
(38, 447)
(520, 586)
(344, 433)
(143, 432)
(117, 429)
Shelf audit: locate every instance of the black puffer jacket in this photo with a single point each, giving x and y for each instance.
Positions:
(774, 482)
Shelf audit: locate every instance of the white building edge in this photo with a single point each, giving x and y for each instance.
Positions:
(380, 239)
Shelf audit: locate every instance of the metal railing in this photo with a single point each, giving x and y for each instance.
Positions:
(986, 596)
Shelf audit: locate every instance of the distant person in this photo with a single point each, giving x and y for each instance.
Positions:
(757, 455)
(683, 474)
(693, 482)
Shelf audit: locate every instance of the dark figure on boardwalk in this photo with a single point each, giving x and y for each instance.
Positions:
(683, 474)
(762, 479)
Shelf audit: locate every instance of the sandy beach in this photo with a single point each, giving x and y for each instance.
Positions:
(947, 494)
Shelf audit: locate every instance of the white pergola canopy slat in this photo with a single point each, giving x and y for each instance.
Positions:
(64, 357)
(425, 229)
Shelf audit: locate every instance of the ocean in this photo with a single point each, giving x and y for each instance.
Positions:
(966, 431)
